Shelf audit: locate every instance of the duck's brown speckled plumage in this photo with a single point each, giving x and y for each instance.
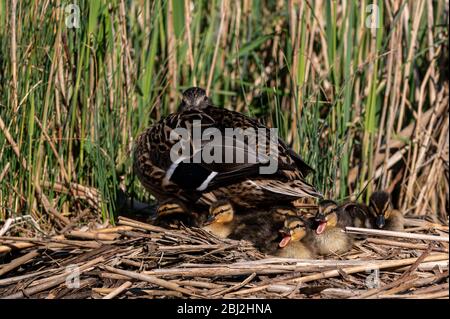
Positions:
(240, 183)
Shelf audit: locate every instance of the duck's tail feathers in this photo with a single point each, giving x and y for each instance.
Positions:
(293, 188)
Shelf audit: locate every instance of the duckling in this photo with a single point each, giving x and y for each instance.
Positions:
(291, 246)
(172, 212)
(222, 220)
(354, 215)
(383, 214)
(262, 227)
(327, 238)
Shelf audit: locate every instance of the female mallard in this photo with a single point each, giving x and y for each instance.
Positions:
(172, 162)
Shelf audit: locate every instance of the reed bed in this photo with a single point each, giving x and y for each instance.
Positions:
(139, 260)
(359, 88)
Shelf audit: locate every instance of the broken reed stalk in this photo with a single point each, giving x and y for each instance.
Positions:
(367, 231)
(50, 242)
(153, 280)
(16, 279)
(92, 235)
(118, 290)
(15, 246)
(401, 244)
(384, 264)
(405, 277)
(237, 286)
(18, 262)
(55, 282)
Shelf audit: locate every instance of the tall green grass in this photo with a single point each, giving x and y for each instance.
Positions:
(340, 92)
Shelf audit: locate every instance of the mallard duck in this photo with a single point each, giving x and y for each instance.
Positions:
(291, 245)
(383, 214)
(326, 237)
(221, 221)
(261, 227)
(162, 166)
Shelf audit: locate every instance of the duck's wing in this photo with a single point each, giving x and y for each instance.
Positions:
(290, 188)
(287, 155)
(214, 154)
(165, 144)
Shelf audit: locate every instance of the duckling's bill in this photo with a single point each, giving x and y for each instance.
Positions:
(286, 233)
(285, 241)
(321, 220)
(321, 228)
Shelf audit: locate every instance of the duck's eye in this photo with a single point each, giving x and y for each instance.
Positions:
(205, 98)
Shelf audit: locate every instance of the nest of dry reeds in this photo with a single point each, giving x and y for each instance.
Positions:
(138, 260)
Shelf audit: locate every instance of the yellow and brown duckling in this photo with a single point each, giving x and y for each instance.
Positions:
(197, 183)
(291, 245)
(173, 213)
(222, 220)
(261, 227)
(327, 237)
(383, 214)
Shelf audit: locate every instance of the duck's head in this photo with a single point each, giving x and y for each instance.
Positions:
(194, 98)
(280, 214)
(294, 230)
(380, 206)
(170, 211)
(221, 212)
(171, 208)
(326, 215)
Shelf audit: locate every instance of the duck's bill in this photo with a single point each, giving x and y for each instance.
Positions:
(209, 221)
(321, 228)
(285, 241)
(380, 221)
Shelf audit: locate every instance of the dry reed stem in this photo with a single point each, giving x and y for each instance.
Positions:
(53, 283)
(151, 279)
(13, 52)
(356, 230)
(351, 270)
(18, 262)
(223, 12)
(165, 259)
(115, 292)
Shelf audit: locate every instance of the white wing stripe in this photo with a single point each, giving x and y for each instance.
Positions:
(205, 183)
